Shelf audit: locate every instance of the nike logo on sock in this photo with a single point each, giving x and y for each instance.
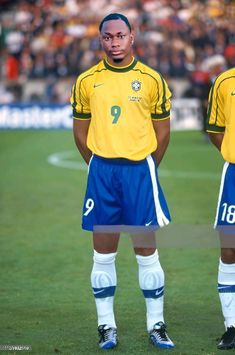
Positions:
(96, 292)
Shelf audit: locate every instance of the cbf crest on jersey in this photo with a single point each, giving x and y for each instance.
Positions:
(136, 85)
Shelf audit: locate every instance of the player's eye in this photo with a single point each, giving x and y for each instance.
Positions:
(106, 38)
(121, 36)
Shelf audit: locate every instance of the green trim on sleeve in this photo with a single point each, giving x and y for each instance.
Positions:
(209, 106)
(160, 116)
(81, 115)
(213, 128)
(163, 105)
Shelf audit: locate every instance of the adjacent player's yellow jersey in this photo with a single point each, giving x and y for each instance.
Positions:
(221, 112)
(121, 103)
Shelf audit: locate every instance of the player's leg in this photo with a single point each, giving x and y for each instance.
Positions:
(102, 211)
(225, 222)
(149, 211)
(152, 283)
(226, 289)
(104, 281)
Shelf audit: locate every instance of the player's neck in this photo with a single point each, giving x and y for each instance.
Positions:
(120, 64)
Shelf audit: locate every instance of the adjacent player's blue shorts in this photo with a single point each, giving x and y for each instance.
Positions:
(225, 215)
(122, 195)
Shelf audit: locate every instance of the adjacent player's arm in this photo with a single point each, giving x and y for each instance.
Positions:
(216, 139)
(216, 121)
(162, 131)
(80, 132)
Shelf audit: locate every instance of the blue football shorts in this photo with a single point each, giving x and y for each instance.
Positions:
(122, 195)
(225, 214)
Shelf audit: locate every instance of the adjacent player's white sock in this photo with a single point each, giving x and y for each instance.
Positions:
(104, 281)
(151, 280)
(226, 288)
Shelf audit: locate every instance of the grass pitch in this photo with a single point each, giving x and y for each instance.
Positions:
(46, 259)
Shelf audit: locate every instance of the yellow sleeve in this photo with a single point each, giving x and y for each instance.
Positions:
(215, 113)
(161, 103)
(80, 100)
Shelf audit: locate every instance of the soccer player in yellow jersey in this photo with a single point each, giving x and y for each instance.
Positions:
(121, 111)
(221, 129)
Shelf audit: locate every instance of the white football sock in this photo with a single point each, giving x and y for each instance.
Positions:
(226, 288)
(104, 281)
(151, 280)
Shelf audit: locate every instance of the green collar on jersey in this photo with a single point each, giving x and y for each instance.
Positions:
(120, 69)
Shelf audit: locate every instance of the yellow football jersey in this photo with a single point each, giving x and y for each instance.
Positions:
(221, 112)
(121, 102)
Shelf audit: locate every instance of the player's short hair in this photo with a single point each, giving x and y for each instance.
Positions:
(115, 16)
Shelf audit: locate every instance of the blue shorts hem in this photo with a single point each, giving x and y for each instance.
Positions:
(87, 228)
(225, 229)
(121, 228)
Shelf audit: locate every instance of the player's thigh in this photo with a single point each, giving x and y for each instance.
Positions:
(101, 206)
(144, 201)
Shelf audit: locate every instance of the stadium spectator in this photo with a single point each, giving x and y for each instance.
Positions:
(12, 67)
(229, 54)
(177, 34)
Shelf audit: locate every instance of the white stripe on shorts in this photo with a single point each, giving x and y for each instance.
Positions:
(89, 164)
(161, 218)
(226, 165)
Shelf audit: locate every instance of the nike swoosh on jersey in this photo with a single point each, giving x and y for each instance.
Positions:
(97, 85)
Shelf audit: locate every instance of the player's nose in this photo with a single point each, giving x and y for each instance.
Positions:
(115, 42)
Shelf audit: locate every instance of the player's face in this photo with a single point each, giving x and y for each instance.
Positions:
(116, 40)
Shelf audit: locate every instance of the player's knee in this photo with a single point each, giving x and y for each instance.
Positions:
(144, 251)
(228, 255)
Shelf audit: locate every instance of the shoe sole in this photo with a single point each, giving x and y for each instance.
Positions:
(228, 347)
(161, 346)
(108, 345)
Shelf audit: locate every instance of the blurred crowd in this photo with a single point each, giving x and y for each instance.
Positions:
(57, 39)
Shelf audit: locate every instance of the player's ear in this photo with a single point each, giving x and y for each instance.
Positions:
(132, 39)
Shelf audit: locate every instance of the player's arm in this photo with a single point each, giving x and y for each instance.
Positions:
(81, 117)
(216, 139)
(215, 116)
(160, 114)
(80, 132)
(162, 131)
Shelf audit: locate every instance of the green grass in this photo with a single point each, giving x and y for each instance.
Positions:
(46, 258)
